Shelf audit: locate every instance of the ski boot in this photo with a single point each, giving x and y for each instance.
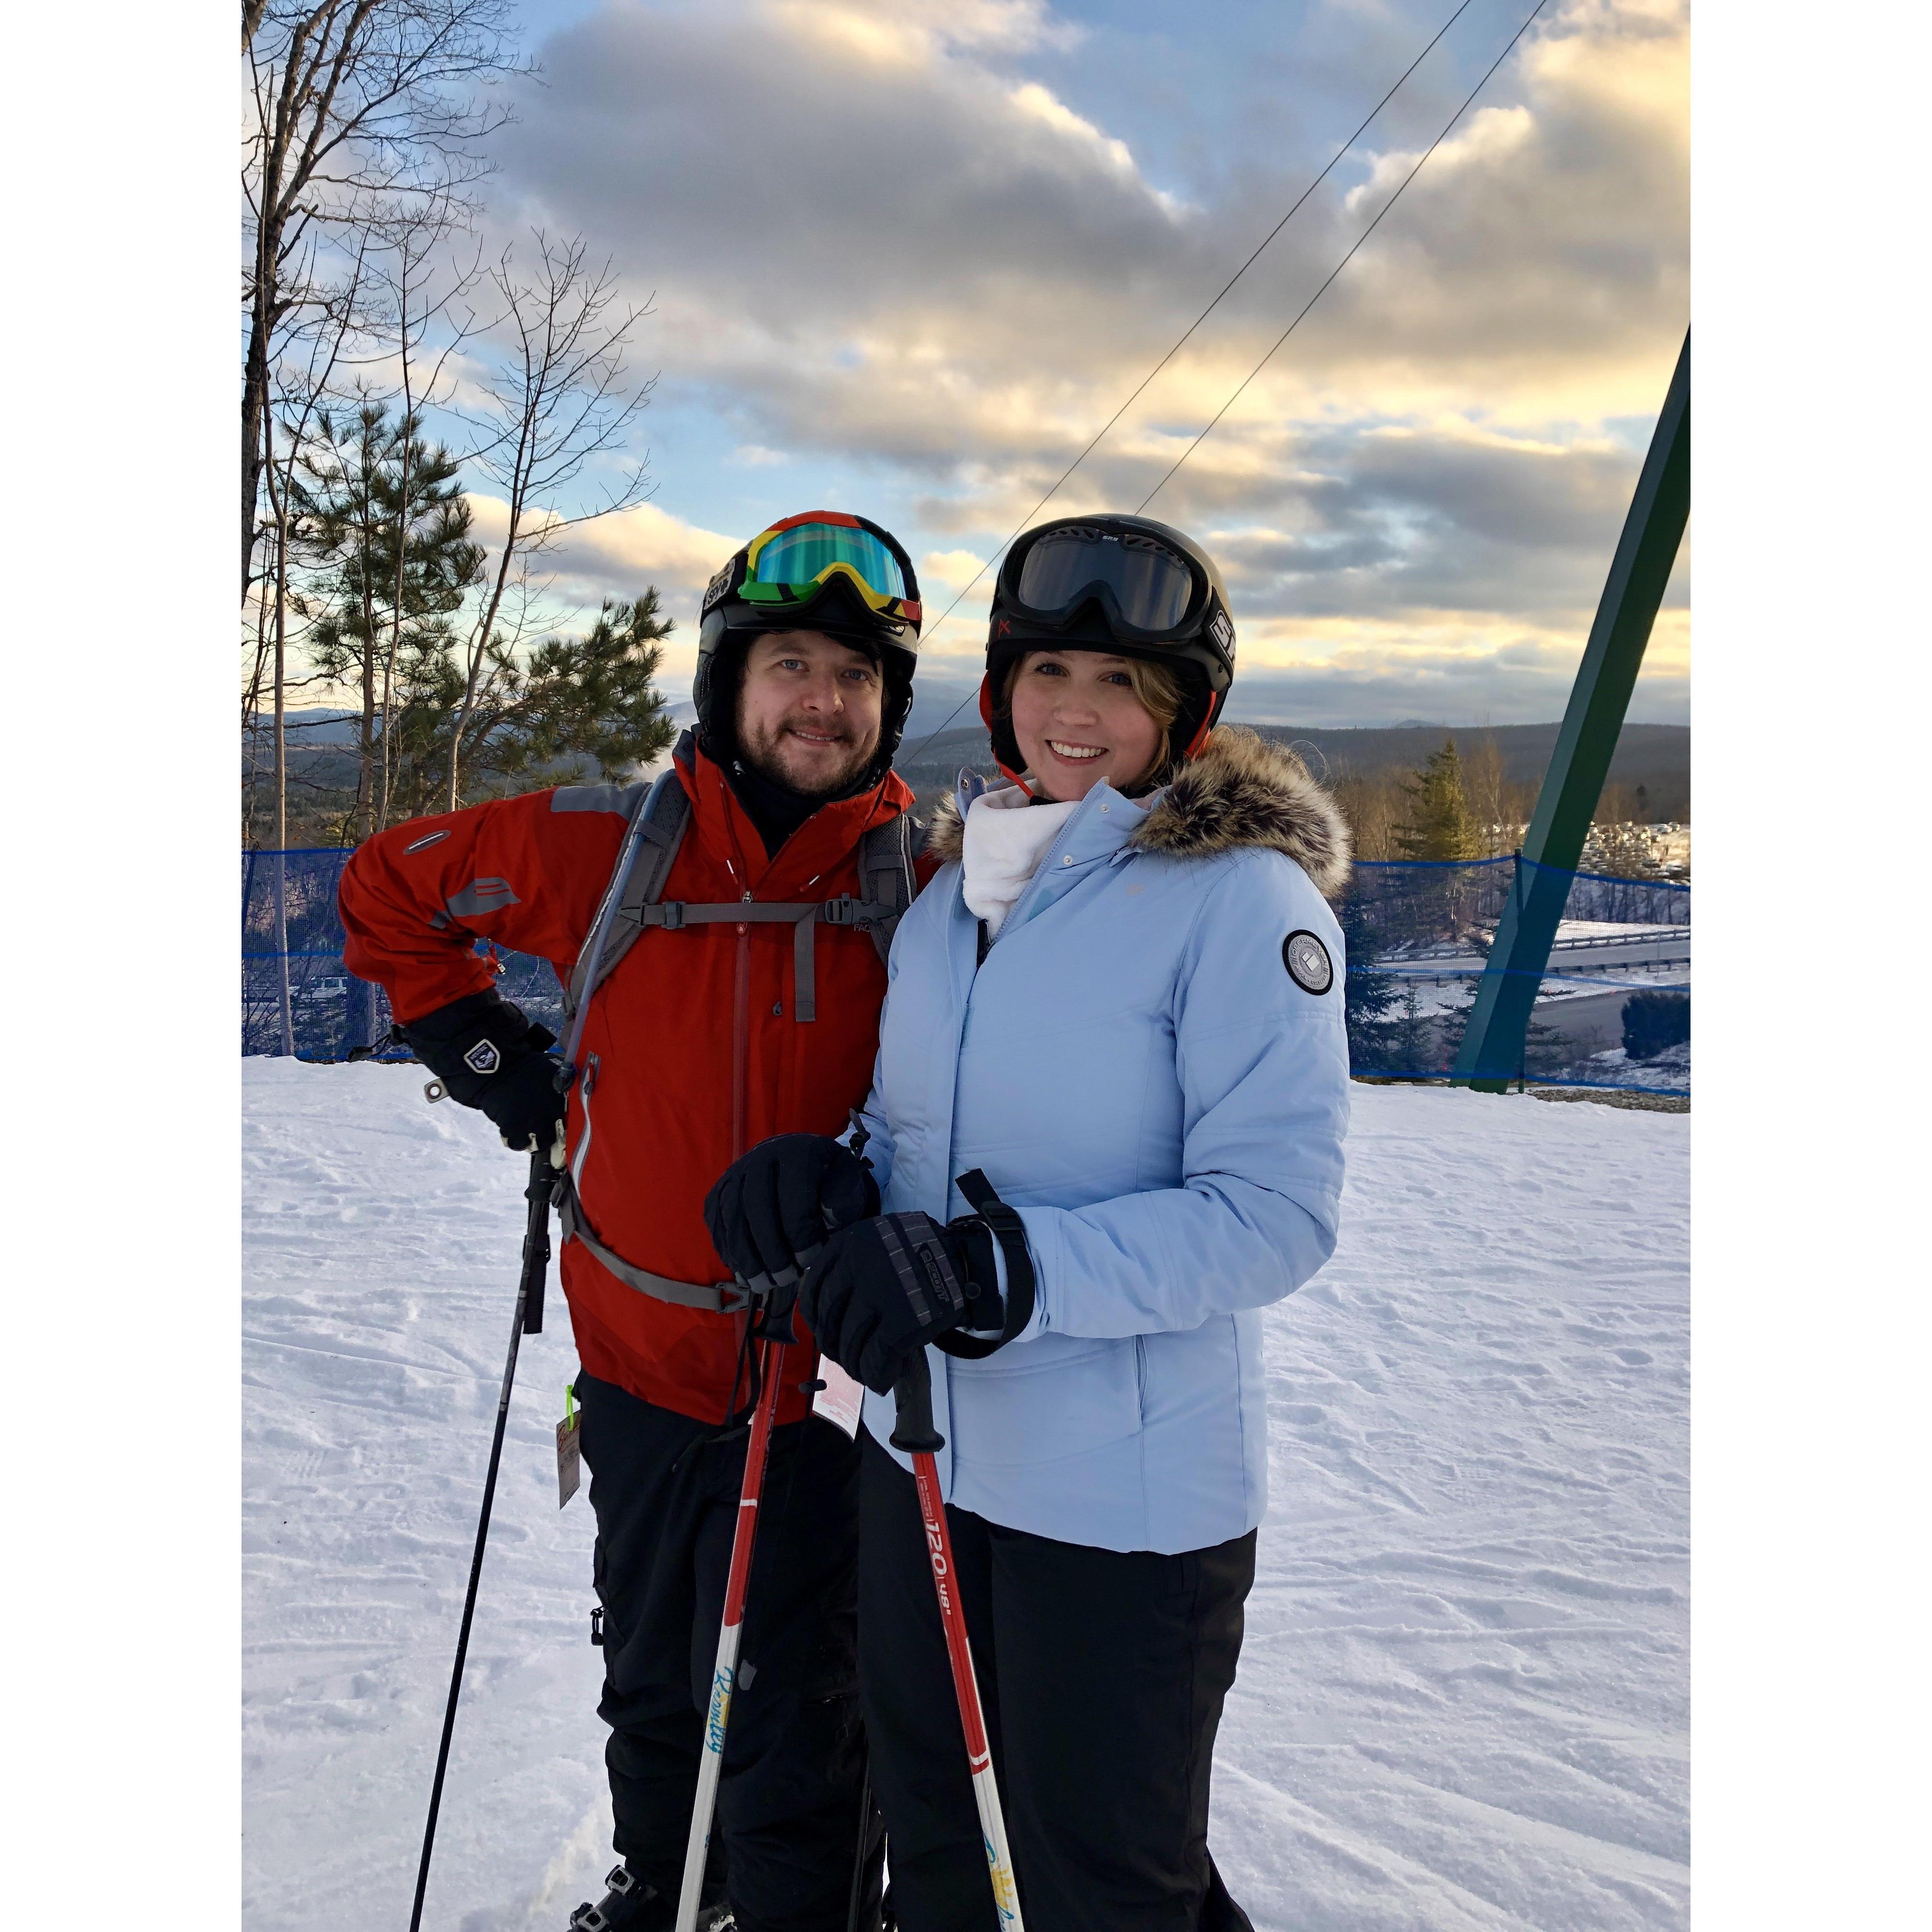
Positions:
(630, 1905)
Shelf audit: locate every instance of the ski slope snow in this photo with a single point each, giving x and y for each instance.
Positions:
(1463, 1703)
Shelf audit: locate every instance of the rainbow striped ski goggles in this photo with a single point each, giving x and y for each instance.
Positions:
(792, 563)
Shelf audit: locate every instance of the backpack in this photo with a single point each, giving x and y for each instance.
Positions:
(632, 903)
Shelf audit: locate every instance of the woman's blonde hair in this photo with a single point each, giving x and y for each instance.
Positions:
(1158, 689)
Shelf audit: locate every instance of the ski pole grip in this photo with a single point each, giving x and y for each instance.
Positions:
(536, 1239)
(912, 1427)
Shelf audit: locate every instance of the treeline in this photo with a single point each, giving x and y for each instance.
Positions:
(1459, 805)
(366, 583)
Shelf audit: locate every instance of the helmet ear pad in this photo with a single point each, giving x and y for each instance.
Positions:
(1006, 753)
(714, 688)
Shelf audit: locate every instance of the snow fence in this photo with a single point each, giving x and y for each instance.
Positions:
(1612, 1010)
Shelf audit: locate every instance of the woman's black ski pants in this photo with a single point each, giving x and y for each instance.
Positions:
(1102, 1674)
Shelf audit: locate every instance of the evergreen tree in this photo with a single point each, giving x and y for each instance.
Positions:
(1442, 830)
(386, 537)
(536, 720)
(1412, 1043)
(1440, 825)
(1369, 997)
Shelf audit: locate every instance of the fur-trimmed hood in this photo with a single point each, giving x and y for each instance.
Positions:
(1241, 790)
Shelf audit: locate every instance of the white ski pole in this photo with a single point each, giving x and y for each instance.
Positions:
(724, 1676)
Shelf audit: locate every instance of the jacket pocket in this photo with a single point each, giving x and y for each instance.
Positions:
(1057, 1398)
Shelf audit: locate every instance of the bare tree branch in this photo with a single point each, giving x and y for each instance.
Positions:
(559, 401)
(418, 305)
(362, 113)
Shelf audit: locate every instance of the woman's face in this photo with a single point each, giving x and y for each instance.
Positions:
(1077, 721)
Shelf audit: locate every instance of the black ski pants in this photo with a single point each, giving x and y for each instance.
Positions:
(1102, 1674)
(665, 1490)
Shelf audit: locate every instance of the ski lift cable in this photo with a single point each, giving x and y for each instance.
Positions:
(1346, 259)
(1334, 162)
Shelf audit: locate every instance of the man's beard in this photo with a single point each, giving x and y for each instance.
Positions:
(768, 756)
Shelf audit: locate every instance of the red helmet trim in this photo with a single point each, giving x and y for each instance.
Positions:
(838, 517)
(986, 719)
(1198, 743)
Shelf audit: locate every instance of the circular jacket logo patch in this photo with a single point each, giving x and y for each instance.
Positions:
(1307, 961)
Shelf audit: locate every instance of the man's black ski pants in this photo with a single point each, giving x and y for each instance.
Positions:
(665, 1489)
(1102, 1674)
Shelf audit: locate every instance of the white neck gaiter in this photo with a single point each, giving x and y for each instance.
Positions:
(1006, 836)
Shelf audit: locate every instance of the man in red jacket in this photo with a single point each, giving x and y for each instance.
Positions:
(697, 1046)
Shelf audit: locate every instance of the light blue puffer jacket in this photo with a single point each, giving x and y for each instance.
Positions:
(1137, 1073)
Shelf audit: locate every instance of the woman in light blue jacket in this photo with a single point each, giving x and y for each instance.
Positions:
(1120, 1002)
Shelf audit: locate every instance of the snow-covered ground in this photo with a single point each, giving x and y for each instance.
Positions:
(1462, 1702)
(1668, 1071)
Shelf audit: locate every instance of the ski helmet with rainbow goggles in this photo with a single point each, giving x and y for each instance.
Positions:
(824, 570)
(1123, 584)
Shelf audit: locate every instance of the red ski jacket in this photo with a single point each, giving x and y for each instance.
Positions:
(690, 1054)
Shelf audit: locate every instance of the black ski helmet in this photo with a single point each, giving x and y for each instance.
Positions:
(845, 575)
(1120, 584)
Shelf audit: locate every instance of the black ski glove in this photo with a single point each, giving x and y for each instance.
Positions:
(885, 1287)
(488, 1056)
(769, 1211)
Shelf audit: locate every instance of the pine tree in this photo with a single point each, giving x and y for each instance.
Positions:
(385, 538)
(534, 720)
(1442, 831)
(1441, 826)
(1370, 998)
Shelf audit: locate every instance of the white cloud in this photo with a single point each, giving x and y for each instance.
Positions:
(1034, 100)
(955, 287)
(954, 569)
(618, 556)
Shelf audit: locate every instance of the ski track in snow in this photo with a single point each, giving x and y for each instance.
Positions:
(1462, 1702)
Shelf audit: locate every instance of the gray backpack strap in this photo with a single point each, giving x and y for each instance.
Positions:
(643, 865)
(721, 1298)
(887, 884)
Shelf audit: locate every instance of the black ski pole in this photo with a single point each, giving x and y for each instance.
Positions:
(528, 1321)
(864, 1833)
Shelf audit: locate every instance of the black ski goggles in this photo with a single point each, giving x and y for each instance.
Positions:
(1148, 590)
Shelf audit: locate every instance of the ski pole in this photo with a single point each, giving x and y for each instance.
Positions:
(725, 1673)
(913, 1431)
(528, 1320)
(858, 1861)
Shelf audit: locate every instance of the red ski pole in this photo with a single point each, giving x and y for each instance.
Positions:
(724, 1674)
(913, 1431)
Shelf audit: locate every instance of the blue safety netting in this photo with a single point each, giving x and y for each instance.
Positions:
(1612, 1008)
(331, 1013)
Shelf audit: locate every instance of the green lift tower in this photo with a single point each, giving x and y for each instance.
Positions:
(1492, 1044)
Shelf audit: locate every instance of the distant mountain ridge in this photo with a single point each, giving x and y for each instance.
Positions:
(1656, 756)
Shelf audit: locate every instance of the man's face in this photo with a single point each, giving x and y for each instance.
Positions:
(810, 711)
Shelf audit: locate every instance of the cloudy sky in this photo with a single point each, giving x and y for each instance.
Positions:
(905, 257)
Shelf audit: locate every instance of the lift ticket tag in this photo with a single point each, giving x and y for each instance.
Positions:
(569, 1453)
(840, 1399)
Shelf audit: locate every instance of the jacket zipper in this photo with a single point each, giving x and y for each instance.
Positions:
(588, 1087)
